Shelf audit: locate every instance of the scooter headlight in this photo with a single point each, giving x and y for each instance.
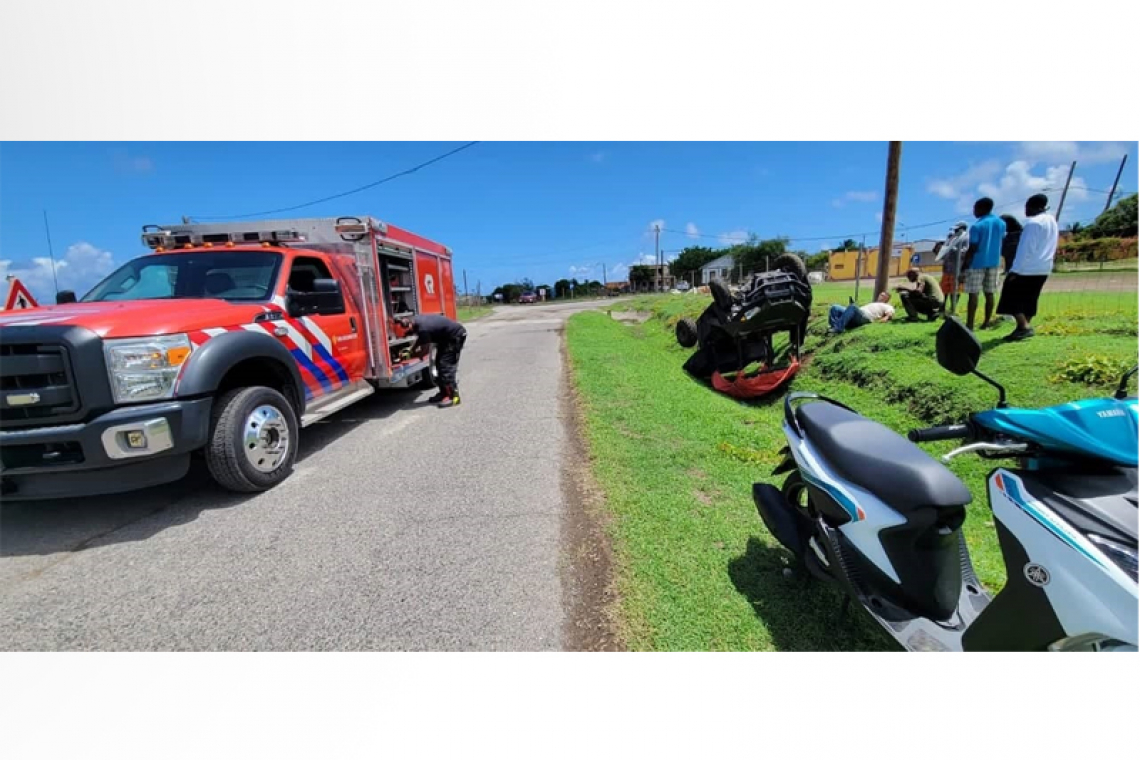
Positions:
(1122, 556)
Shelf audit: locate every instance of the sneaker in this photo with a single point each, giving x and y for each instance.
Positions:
(437, 398)
(1020, 334)
(452, 400)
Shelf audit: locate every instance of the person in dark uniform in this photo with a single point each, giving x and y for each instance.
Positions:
(448, 337)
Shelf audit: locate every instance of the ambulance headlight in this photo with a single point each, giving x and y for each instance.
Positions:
(145, 369)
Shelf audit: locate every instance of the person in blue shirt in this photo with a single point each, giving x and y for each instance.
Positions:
(982, 260)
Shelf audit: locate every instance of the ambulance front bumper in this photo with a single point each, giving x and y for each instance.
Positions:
(123, 450)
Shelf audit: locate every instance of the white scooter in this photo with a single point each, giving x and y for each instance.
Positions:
(870, 511)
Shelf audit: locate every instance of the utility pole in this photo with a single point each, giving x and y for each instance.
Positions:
(890, 201)
(466, 293)
(859, 266)
(51, 253)
(657, 252)
(1119, 171)
(1065, 192)
(605, 282)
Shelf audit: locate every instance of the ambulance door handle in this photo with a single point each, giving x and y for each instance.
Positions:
(352, 324)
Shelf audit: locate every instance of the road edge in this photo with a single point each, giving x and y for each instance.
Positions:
(589, 591)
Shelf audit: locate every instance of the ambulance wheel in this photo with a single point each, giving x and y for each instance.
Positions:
(687, 333)
(430, 375)
(253, 439)
(722, 296)
(792, 264)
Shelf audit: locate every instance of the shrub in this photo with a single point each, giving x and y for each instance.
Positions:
(1075, 250)
(1094, 369)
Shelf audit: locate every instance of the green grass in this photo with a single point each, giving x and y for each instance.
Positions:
(696, 569)
(469, 313)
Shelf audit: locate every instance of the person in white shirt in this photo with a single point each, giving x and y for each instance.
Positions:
(1031, 267)
(846, 318)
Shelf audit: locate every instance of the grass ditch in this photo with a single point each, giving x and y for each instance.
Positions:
(695, 568)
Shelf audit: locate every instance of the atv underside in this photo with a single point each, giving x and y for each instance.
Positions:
(737, 330)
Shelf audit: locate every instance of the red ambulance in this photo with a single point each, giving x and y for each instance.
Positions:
(227, 339)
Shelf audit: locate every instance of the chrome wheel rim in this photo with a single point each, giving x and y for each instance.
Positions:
(265, 439)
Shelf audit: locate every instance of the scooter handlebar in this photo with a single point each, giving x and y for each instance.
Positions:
(939, 433)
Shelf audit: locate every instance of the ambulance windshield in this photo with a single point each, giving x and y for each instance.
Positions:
(231, 276)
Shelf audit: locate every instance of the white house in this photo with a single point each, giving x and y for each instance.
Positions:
(717, 269)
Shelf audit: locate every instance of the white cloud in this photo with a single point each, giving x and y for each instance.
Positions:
(692, 231)
(128, 164)
(1019, 182)
(617, 272)
(578, 271)
(81, 267)
(598, 157)
(733, 238)
(1069, 151)
(856, 196)
(953, 188)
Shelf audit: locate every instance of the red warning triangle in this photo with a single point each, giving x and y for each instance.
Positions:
(19, 297)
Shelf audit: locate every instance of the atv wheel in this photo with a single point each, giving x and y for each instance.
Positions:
(792, 264)
(722, 296)
(687, 333)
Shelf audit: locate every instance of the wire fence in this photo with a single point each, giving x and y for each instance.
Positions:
(1103, 283)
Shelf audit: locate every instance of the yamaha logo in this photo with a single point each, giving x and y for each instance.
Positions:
(1036, 575)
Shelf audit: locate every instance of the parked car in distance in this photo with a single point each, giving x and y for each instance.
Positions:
(528, 297)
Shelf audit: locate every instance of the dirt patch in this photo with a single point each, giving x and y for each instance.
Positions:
(636, 317)
(589, 595)
(703, 497)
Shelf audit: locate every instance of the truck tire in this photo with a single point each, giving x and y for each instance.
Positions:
(253, 439)
(429, 376)
(687, 333)
(792, 264)
(722, 296)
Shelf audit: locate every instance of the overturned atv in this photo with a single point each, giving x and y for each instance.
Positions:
(736, 330)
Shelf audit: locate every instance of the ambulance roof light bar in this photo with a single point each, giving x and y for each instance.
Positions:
(159, 238)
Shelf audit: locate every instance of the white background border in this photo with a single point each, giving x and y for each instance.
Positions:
(564, 71)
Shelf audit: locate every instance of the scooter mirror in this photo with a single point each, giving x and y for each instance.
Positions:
(957, 348)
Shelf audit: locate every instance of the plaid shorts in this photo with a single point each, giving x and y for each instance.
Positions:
(981, 280)
(948, 283)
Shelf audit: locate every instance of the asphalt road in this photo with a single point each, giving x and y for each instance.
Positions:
(403, 527)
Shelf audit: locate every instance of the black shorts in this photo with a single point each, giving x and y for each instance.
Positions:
(1019, 294)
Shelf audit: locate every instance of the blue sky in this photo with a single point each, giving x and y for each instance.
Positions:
(532, 209)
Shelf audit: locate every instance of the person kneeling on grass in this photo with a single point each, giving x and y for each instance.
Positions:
(924, 298)
(841, 318)
(1031, 267)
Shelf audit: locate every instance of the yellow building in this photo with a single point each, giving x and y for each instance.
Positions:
(842, 264)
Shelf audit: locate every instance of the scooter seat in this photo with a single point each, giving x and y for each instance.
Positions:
(879, 460)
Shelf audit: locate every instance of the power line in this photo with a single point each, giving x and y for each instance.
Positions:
(362, 188)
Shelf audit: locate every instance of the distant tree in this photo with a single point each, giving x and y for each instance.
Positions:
(1074, 228)
(526, 284)
(757, 255)
(691, 259)
(1118, 221)
(818, 261)
(562, 289)
(549, 291)
(846, 245)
